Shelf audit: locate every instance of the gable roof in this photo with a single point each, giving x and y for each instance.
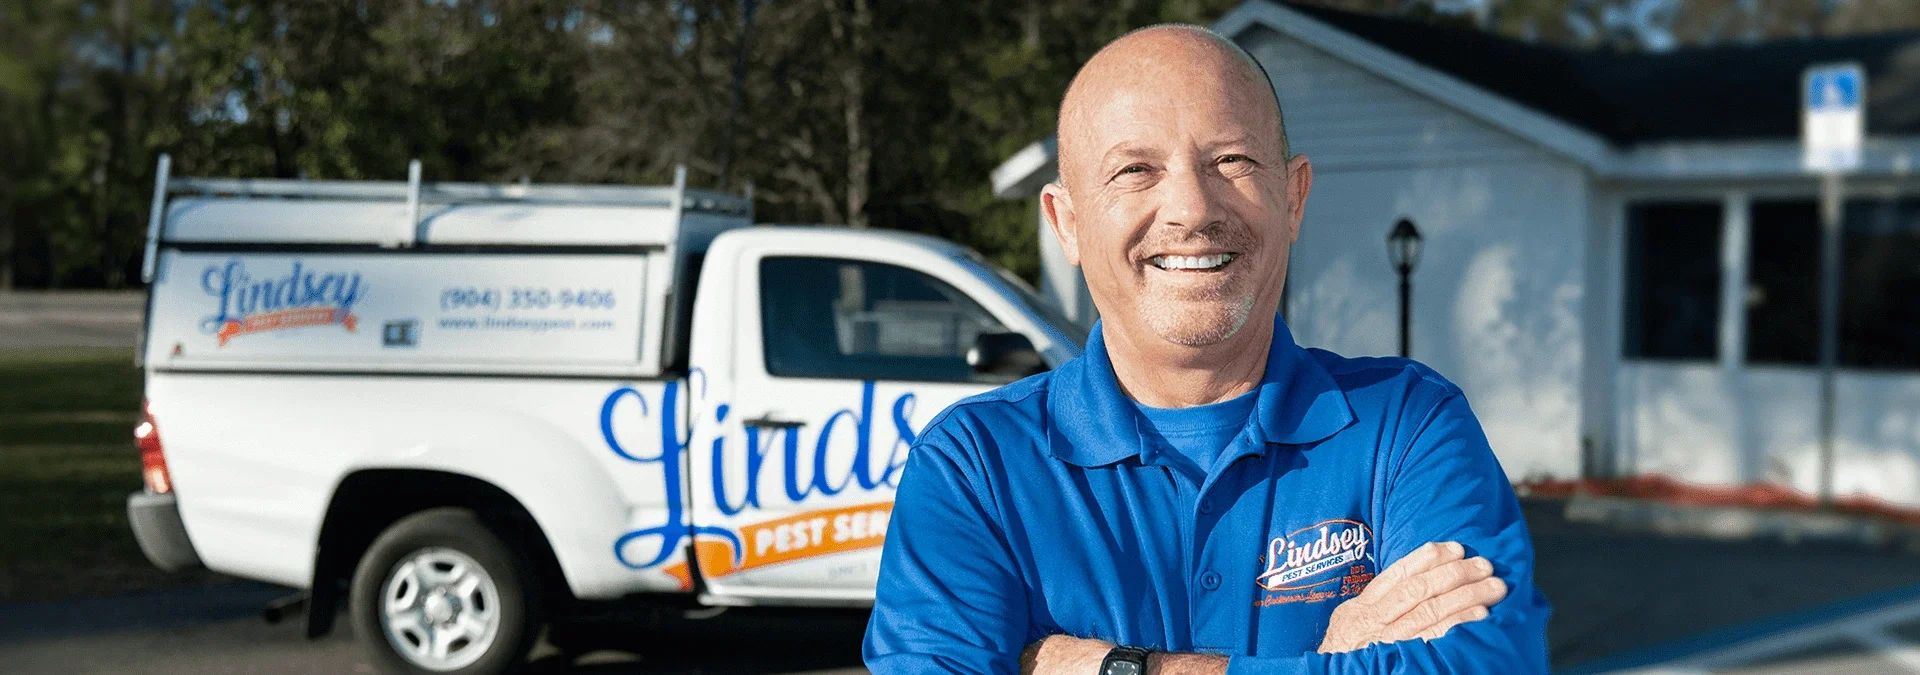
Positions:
(1033, 165)
(1590, 106)
(1735, 92)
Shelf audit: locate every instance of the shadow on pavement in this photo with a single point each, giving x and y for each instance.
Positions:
(744, 640)
(173, 607)
(1616, 591)
(1612, 592)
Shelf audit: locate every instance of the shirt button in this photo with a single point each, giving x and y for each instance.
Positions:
(1210, 581)
(1206, 506)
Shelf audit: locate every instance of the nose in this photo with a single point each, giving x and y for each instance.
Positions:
(1191, 200)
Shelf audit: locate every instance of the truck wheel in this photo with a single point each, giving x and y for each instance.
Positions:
(438, 592)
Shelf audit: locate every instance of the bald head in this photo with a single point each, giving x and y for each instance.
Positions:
(1179, 200)
(1168, 60)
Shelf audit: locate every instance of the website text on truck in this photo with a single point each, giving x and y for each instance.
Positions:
(462, 410)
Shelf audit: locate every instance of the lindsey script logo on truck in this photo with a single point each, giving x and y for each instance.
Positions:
(798, 537)
(302, 297)
(577, 396)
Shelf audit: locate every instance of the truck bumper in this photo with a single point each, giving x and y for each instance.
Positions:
(156, 525)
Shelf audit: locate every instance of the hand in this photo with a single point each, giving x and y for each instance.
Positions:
(1431, 590)
(1069, 655)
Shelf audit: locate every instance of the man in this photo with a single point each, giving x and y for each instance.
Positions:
(1197, 494)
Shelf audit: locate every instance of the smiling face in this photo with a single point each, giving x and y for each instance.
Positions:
(1177, 198)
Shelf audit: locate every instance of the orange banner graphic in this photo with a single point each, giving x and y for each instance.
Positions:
(292, 318)
(799, 537)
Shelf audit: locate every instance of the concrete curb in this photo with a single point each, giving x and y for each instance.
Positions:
(1737, 523)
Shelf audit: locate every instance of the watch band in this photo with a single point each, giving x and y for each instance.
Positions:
(1125, 661)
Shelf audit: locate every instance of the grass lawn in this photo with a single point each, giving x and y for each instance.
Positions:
(67, 463)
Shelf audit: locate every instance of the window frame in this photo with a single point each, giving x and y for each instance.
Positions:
(1850, 355)
(758, 306)
(1748, 281)
(1630, 316)
(1616, 199)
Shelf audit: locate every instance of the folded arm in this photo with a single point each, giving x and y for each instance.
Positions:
(1465, 607)
(949, 599)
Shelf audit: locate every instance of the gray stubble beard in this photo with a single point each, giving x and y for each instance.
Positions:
(1168, 326)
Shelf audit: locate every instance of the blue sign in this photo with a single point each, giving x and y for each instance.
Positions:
(1834, 88)
(1833, 117)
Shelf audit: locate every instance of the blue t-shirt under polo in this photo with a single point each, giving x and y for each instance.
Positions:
(1043, 508)
(1198, 434)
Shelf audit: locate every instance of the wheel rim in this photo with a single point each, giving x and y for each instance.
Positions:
(440, 609)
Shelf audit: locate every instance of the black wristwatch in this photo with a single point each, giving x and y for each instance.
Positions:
(1125, 661)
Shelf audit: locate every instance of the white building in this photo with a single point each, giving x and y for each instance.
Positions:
(1621, 250)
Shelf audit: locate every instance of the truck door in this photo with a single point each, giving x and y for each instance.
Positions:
(839, 359)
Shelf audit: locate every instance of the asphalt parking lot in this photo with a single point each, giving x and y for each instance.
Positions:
(1877, 634)
(1624, 602)
(219, 630)
(54, 319)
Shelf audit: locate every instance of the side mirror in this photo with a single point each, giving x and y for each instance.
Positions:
(1008, 356)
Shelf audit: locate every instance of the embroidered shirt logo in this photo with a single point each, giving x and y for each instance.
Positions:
(1315, 555)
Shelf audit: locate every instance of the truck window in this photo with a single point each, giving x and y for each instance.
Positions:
(847, 319)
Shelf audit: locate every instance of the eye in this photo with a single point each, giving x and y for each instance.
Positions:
(1235, 166)
(1131, 172)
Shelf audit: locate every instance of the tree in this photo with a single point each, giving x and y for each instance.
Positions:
(855, 112)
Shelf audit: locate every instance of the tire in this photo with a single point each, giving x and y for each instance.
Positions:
(440, 592)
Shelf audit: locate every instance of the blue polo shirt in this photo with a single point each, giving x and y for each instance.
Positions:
(1196, 435)
(1039, 509)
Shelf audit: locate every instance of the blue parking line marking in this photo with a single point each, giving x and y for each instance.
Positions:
(1740, 633)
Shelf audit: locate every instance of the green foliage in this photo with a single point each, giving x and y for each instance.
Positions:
(881, 113)
(255, 88)
(67, 464)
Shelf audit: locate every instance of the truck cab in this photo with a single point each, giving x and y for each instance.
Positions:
(462, 410)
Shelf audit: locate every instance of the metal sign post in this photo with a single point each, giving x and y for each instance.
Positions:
(1833, 123)
(1831, 187)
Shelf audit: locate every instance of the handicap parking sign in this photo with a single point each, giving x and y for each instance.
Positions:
(1833, 116)
(1833, 89)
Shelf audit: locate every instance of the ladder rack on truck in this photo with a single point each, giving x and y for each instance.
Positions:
(460, 411)
(662, 224)
(418, 196)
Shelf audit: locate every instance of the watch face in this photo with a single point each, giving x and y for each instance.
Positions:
(1122, 668)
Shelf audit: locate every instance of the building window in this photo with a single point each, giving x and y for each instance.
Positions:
(1880, 287)
(1783, 282)
(1673, 280)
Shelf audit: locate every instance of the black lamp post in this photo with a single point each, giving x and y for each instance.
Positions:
(1403, 250)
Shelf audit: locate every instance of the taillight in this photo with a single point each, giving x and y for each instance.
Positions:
(153, 458)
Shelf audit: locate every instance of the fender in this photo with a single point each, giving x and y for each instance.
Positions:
(562, 484)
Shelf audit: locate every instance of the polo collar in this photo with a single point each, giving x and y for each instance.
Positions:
(1094, 423)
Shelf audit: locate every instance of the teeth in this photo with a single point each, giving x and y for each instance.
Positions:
(1191, 262)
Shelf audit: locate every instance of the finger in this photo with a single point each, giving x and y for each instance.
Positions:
(1412, 592)
(1468, 615)
(1426, 557)
(1482, 594)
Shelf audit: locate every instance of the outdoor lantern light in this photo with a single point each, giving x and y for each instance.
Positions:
(1403, 251)
(1403, 246)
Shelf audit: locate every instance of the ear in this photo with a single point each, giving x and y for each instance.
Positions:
(1299, 183)
(1057, 206)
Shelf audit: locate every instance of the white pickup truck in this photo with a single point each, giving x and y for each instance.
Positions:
(461, 410)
